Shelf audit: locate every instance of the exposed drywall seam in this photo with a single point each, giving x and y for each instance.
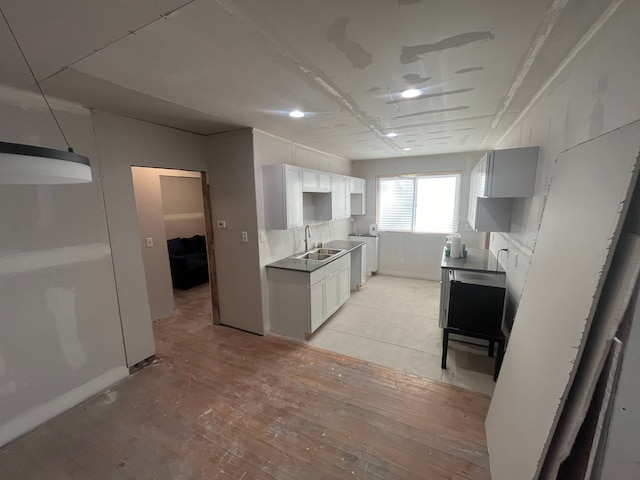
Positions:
(106, 219)
(310, 73)
(130, 32)
(595, 28)
(539, 40)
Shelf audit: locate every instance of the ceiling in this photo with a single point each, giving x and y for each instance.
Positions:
(211, 66)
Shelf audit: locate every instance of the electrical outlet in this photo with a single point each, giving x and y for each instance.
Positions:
(262, 236)
(402, 261)
(245, 237)
(222, 224)
(149, 242)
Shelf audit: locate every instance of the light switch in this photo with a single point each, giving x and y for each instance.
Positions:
(149, 241)
(262, 236)
(245, 237)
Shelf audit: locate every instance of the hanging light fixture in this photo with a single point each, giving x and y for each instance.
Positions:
(31, 165)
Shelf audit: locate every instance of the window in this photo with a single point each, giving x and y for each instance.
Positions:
(419, 203)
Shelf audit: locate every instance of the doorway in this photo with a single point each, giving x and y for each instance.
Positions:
(176, 238)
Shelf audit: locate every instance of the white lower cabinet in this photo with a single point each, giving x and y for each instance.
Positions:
(300, 302)
(318, 304)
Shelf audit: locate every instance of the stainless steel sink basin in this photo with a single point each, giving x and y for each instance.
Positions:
(328, 251)
(314, 256)
(320, 254)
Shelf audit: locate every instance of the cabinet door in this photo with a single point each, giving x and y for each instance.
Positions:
(309, 180)
(324, 182)
(477, 188)
(339, 198)
(332, 294)
(293, 196)
(344, 284)
(317, 305)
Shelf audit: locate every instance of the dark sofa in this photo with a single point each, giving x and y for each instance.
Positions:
(188, 261)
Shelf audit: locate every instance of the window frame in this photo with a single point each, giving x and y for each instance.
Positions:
(415, 177)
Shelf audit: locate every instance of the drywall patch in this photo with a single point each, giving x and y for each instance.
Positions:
(415, 79)
(469, 70)
(41, 260)
(354, 52)
(404, 3)
(428, 112)
(464, 139)
(412, 53)
(373, 89)
(62, 303)
(6, 386)
(431, 95)
(596, 121)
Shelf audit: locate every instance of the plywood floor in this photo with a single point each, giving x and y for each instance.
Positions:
(223, 404)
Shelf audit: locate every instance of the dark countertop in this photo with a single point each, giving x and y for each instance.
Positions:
(477, 260)
(290, 263)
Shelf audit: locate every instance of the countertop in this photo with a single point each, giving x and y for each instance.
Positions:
(477, 260)
(289, 263)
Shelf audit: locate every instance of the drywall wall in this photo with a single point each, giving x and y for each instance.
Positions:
(574, 247)
(60, 338)
(278, 244)
(150, 209)
(123, 143)
(233, 200)
(416, 255)
(182, 205)
(595, 93)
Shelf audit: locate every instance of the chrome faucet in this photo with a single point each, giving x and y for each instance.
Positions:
(307, 235)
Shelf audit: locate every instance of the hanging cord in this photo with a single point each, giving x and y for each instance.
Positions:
(36, 80)
(498, 257)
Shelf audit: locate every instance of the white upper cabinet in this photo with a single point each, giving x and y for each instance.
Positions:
(340, 199)
(357, 189)
(283, 206)
(315, 181)
(499, 177)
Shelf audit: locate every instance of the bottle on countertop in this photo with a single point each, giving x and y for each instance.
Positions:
(456, 245)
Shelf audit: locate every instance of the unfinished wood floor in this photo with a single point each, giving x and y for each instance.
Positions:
(223, 404)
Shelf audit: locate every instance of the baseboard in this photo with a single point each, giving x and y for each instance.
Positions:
(35, 417)
(400, 273)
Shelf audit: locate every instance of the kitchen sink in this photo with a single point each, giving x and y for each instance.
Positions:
(320, 254)
(314, 256)
(328, 251)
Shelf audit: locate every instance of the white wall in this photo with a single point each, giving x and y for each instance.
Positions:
(597, 92)
(151, 224)
(233, 199)
(415, 255)
(60, 338)
(278, 244)
(182, 205)
(123, 143)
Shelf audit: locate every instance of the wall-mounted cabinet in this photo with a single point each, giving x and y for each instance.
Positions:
(357, 189)
(283, 202)
(340, 200)
(316, 181)
(295, 196)
(500, 176)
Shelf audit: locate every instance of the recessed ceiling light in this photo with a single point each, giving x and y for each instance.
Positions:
(405, 149)
(392, 134)
(411, 93)
(296, 114)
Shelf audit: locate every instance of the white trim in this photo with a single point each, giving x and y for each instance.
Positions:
(31, 419)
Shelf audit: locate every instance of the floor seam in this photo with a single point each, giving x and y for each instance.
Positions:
(386, 310)
(381, 341)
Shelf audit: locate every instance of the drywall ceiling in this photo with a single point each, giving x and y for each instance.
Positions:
(211, 66)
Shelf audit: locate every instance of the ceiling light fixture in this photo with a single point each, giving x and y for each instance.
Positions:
(406, 149)
(392, 134)
(296, 114)
(411, 93)
(30, 165)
